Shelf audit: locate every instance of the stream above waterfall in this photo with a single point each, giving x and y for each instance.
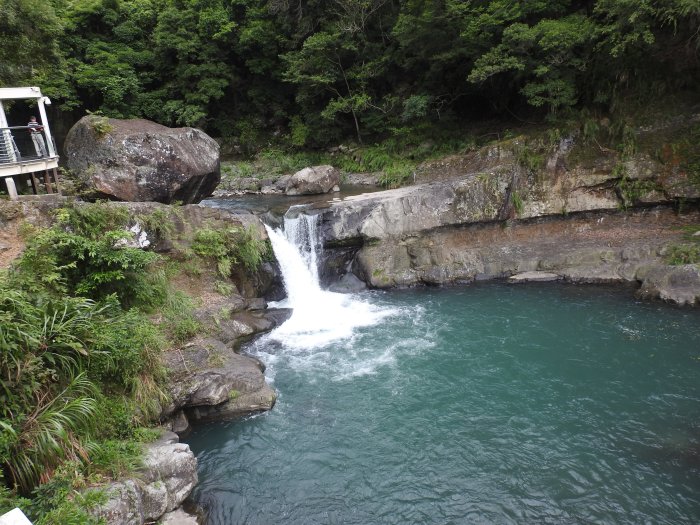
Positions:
(278, 203)
(491, 403)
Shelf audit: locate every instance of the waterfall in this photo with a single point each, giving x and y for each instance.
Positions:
(318, 316)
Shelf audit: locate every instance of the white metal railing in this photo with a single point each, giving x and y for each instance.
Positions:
(22, 143)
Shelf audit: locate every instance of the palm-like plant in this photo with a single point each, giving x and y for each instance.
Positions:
(53, 432)
(48, 402)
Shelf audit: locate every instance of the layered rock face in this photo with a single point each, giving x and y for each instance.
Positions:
(598, 248)
(139, 160)
(488, 216)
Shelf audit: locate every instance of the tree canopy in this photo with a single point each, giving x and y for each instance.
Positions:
(320, 71)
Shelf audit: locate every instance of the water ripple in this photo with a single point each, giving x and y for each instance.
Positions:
(489, 404)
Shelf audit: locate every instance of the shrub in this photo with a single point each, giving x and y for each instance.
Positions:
(229, 247)
(54, 355)
(82, 255)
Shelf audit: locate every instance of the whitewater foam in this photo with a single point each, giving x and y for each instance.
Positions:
(318, 316)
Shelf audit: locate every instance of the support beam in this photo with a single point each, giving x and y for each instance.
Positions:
(11, 188)
(35, 184)
(47, 180)
(55, 180)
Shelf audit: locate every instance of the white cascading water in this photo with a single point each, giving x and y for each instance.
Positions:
(318, 316)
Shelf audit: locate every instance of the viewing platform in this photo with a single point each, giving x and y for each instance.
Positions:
(28, 155)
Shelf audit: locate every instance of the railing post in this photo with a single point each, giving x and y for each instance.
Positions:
(45, 123)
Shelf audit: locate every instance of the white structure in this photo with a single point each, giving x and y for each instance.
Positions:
(14, 517)
(20, 157)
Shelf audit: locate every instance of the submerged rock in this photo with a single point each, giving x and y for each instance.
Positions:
(139, 160)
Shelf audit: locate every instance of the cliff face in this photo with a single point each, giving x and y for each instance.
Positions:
(492, 214)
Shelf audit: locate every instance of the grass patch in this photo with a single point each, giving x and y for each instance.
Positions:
(517, 202)
(687, 252)
(683, 254)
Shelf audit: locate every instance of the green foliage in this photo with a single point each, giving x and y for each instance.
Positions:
(632, 190)
(223, 288)
(92, 220)
(100, 124)
(230, 247)
(30, 50)
(395, 169)
(683, 254)
(688, 251)
(159, 223)
(54, 354)
(298, 131)
(683, 155)
(115, 458)
(179, 322)
(316, 73)
(51, 433)
(530, 157)
(83, 253)
(79, 375)
(517, 202)
(59, 500)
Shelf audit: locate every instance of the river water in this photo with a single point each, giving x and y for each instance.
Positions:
(489, 403)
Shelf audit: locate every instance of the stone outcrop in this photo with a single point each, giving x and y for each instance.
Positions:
(316, 179)
(676, 284)
(167, 477)
(139, 160)
(487, 216)
(534, 277)
(209, 381)
(596, 248)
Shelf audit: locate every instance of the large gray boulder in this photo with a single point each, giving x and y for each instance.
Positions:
(139, 160)
(316, 179)
(168, 475)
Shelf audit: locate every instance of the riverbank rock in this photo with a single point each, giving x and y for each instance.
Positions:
(675, 284)
(178, 517)
(586, 215)
(168, 475)
(533, 277)
(209, 381)
(139, 160)
(593, 247)
(316, 179)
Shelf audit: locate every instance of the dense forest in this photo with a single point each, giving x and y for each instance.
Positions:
(316, 72)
